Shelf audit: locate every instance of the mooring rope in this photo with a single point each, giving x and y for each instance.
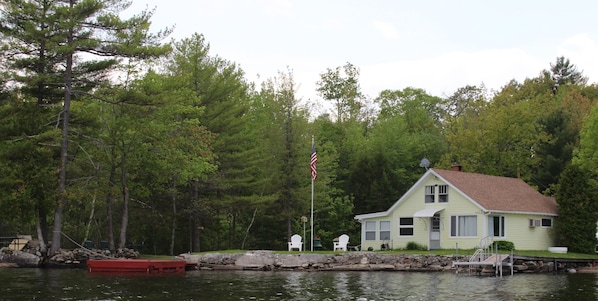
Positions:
(86, 249)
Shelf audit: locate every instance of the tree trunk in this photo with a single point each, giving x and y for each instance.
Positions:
(173, 233)
(248, 228)
(195, 221)
(195, 233)
(93, 208)
(42, 219)
(109, 202)
(125, 217)
(61, 198)
(40, 236)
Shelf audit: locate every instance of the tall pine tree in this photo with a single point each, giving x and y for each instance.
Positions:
(46, 38)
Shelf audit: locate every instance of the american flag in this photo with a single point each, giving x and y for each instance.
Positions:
(314, 160)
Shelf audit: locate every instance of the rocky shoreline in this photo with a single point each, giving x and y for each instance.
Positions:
(76, 258)
(372, 261)
(309, 262)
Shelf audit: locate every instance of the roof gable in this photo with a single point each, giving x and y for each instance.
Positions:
(399, 201)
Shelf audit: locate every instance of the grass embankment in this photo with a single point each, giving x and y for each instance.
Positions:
(446, 252)
(155, 257)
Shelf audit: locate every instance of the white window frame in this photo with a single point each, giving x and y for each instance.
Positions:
(384, 230)
(501, 224)
(443, 194)
(429, 195)
(406, 225)
(369, 231)
(546, 219)
(459, 225)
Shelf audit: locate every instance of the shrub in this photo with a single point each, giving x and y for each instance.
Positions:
(505, 245)
(415, 246)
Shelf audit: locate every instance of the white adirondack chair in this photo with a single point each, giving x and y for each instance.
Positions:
(295, 242)
(342, 242)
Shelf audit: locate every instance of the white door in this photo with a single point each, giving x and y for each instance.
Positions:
(435, 232)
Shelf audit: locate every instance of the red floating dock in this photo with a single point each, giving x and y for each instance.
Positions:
(136, 266)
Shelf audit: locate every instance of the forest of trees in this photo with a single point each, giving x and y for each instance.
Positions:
(108, 132)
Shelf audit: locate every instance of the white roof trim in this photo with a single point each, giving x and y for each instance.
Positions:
(520, 212)
(428, 212)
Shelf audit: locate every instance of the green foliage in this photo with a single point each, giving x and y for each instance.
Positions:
(504, 245)
(385, 164)
(503, 134)
(556, 152)
(341, 86)
(415, 246)
(563, 72)
(587, 154)
(192, 158)
(28, 160)
(578, 210)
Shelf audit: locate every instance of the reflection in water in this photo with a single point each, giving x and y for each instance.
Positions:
(30, 284)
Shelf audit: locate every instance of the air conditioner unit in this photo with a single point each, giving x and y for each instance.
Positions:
(535, 223)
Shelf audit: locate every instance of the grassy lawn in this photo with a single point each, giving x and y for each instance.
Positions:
(155, 257)
(446, 252)
(556, 255)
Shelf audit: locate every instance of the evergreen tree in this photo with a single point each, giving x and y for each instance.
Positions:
(220, 88)
(578, 210)
(564, 73)
(46, 38)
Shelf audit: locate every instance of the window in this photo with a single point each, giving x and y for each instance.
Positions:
(429, 194)
(436, 223)
(443, 194)
(384, 230)
(370, 230)
(547, 222)
(496, 225)
(464, 226)
(406, 226)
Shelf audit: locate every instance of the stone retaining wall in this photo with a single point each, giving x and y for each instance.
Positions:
(366, 261)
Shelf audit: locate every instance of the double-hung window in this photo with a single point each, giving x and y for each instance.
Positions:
(443, 194)
(464, 225)
(384, 230)
(496, 225)
(430, 191)
(405, 226)
(370, 230)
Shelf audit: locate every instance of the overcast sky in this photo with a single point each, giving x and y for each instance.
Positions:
(438, 46)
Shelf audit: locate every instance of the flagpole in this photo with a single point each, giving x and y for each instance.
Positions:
(312, 202)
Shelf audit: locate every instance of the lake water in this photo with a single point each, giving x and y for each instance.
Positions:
(72, 284)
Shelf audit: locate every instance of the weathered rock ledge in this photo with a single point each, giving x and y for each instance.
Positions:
(362, 261)
(76, 258)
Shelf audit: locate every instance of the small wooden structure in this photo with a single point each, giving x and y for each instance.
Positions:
(18, 244)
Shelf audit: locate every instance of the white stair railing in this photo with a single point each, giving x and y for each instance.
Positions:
(477, 255)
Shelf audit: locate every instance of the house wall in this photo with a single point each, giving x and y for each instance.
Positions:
(525, 237)
(517, 228)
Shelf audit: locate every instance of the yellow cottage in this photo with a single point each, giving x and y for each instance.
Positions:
(448, 209)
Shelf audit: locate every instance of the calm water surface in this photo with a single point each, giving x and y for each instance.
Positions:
(55, 284)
